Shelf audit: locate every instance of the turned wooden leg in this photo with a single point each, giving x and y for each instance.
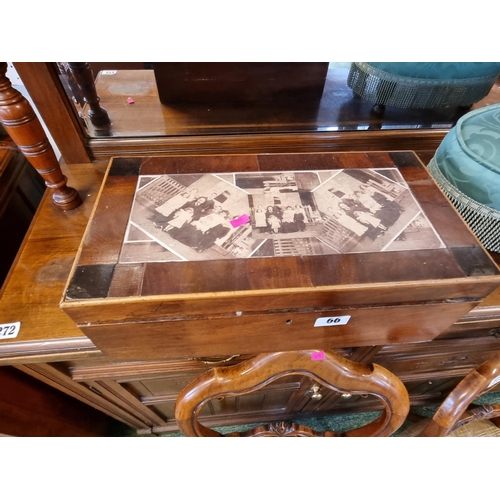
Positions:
(24, 128)
(83, 76)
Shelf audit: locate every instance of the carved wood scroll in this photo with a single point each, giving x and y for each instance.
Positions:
(24, 128)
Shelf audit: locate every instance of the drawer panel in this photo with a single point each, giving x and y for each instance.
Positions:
(437, 359)
(273, 398)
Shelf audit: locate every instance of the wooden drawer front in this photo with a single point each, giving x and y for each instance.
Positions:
(250, 334)
(466, 329)
(474, 330)
(272, 399)
(164, 388)
(259, 403)
(437, 359)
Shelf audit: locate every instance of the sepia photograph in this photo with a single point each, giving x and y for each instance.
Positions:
(188, 217)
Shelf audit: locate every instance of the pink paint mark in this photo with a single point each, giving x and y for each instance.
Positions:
(239, 221)
(130, 100)
(316, 356)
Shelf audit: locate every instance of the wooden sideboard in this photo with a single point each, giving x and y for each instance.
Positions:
(142, 394)
(21, 189)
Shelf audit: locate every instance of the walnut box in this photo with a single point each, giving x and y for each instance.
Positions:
(188, 256)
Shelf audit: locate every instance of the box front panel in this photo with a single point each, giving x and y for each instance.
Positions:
(256, 333)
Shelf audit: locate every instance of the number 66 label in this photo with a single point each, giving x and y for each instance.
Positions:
(9, 330)
(332, 321)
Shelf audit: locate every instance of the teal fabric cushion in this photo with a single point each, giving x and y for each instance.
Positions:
(439, 70)
(469, 155)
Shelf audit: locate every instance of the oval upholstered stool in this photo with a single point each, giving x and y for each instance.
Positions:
(422, 85)
(467, 167)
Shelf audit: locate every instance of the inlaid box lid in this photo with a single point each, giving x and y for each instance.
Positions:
(179, 237)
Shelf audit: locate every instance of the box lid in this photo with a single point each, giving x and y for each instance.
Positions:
(168, 237)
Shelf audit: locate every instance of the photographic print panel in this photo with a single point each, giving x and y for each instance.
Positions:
(192, 217)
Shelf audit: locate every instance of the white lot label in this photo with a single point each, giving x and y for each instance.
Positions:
(108, 72)
(332, 321)
(9, 330)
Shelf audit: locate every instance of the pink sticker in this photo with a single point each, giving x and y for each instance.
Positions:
(130, 100)
(239, 221)
(316, 356)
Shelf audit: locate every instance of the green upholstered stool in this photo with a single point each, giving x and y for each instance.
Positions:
(423, 85)
(467, 167)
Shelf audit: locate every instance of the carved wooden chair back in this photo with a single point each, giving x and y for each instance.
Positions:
(457, 409)
(333, 372)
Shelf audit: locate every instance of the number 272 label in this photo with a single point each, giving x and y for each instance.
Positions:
(9, 330)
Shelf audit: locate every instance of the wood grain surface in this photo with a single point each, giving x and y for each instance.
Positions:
(34, 287)
(155, 310)
(37, 280)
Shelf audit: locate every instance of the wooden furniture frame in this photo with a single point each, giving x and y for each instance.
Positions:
(456, 409)
(23, 126)
(333, 372)
(142, 393)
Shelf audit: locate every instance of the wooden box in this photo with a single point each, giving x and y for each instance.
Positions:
(357, 249)
(211, 83)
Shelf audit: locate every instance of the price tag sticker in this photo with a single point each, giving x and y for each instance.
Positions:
(332, 321)
(317, 356)
(239, 221)
(108, 72)
(9, 330)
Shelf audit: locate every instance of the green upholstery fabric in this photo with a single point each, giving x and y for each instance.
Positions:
(469, 156)
(423, 85)
(439, 70)
(467, 167)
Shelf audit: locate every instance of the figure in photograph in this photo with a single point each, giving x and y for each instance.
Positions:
(389, 211)
(365, 194)
(350, 208)
(299, 218)
(288, 221)
(260, 217)
(217, 216)
(375, 227)
(201, 206)
(274, 223)
(347, 221)
(216, 232)
(204, 207)
(181, 217)
(352, 202)
(273, 218)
